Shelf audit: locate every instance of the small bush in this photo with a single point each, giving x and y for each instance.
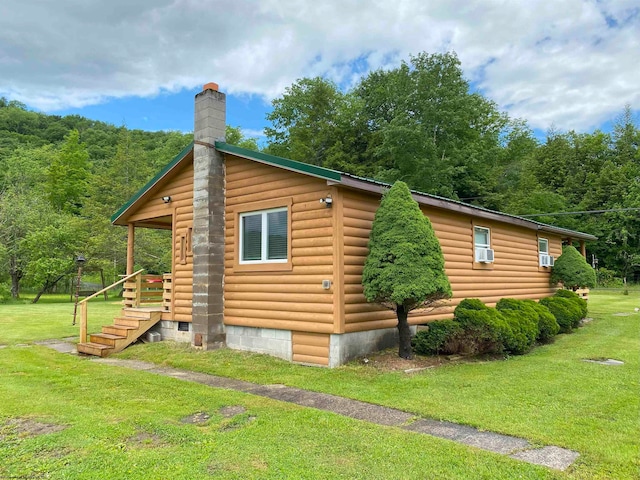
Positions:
(567, 313)
(5, 293)
(523, 321)
(548, 327)
(575, 298)
(484, 329)
(572, 270)
(435, 339)
(607, 278)
(471, 304)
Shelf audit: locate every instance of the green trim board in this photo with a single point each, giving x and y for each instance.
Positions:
(185, 151)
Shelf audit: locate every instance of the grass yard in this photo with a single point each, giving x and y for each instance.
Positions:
(550, 396)
(121, 424)
(126, 424)
(51, 317)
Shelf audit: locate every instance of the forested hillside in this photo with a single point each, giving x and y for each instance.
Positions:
(61, 178)
(423, 124)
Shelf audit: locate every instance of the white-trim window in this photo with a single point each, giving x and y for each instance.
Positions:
(264, 236)
(482, 245)
(544, 259)
(543, 246)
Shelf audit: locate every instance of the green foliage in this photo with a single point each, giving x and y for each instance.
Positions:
(607, 278)
(484, 329)
(234, 136)
(575, 298)
(405, 265)
(548, 327)
(434, 339)
(404, 269)
(523, 320)
(567, 313)
(5, 292)
(68, 175)
(572, 270)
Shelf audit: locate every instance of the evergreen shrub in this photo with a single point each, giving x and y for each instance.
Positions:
(575, 298)
(484, 329)
(548, 327)
(567, 313)
(523, 321)
(436, 339)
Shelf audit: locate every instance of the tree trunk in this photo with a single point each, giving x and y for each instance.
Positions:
(404, 334)
(16, 275)
(48, 285)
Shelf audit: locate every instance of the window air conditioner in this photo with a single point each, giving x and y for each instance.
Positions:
(546, 260)
(484, 255)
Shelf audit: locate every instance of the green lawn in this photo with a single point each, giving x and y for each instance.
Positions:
(550, 397)
(51, 317)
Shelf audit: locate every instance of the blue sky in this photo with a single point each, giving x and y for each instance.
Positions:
(572, 64)
(174, 111)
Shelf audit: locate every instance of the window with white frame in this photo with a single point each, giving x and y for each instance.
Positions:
(545, 260)
(264, 236)
(543, 246)
(482, 244)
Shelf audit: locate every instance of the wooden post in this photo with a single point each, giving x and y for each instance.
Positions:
(138, 290)
(583, 248)
(83, 322)
(131, 237)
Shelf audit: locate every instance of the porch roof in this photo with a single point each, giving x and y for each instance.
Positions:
(334, 177)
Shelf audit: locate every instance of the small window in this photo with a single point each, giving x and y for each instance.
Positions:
(482, 244)
(543, 246)
(545, 260)
(183, 326)
(263, 236)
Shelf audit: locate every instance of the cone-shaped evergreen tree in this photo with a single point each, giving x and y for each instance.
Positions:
(405, 267)
(572, 270)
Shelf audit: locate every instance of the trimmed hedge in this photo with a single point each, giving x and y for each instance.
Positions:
(567, 313)
(523, 321)
(484, 329)
(575, 298)
(436, 338)
(548, 327)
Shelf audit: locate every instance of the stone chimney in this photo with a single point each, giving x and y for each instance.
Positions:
(208, 218)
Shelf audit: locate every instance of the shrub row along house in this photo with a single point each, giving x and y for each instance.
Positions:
(268, 252)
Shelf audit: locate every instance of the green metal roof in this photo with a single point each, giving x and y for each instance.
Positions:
(152, 182)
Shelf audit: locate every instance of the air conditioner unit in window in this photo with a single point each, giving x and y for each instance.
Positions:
(484, 255)
(546, 260)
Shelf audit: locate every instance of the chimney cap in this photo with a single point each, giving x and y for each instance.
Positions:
(210, 86)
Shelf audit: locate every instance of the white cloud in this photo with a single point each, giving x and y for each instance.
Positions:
(570, 63)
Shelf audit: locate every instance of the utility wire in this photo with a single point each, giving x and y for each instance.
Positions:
(580, 213)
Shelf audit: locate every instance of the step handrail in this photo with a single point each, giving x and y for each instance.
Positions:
(83, 304)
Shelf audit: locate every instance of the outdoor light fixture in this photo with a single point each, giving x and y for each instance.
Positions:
(166, 199)
(80, 260)
(328, 201)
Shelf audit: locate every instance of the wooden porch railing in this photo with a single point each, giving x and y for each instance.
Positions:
(83, 303)
(144, 290)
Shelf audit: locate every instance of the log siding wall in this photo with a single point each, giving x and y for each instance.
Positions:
(180, 189)
(515, 272)
(293, 298)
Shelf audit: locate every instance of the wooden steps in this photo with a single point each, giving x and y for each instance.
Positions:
(126, 329)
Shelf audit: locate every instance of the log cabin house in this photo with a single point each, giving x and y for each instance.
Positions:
(268, 253)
